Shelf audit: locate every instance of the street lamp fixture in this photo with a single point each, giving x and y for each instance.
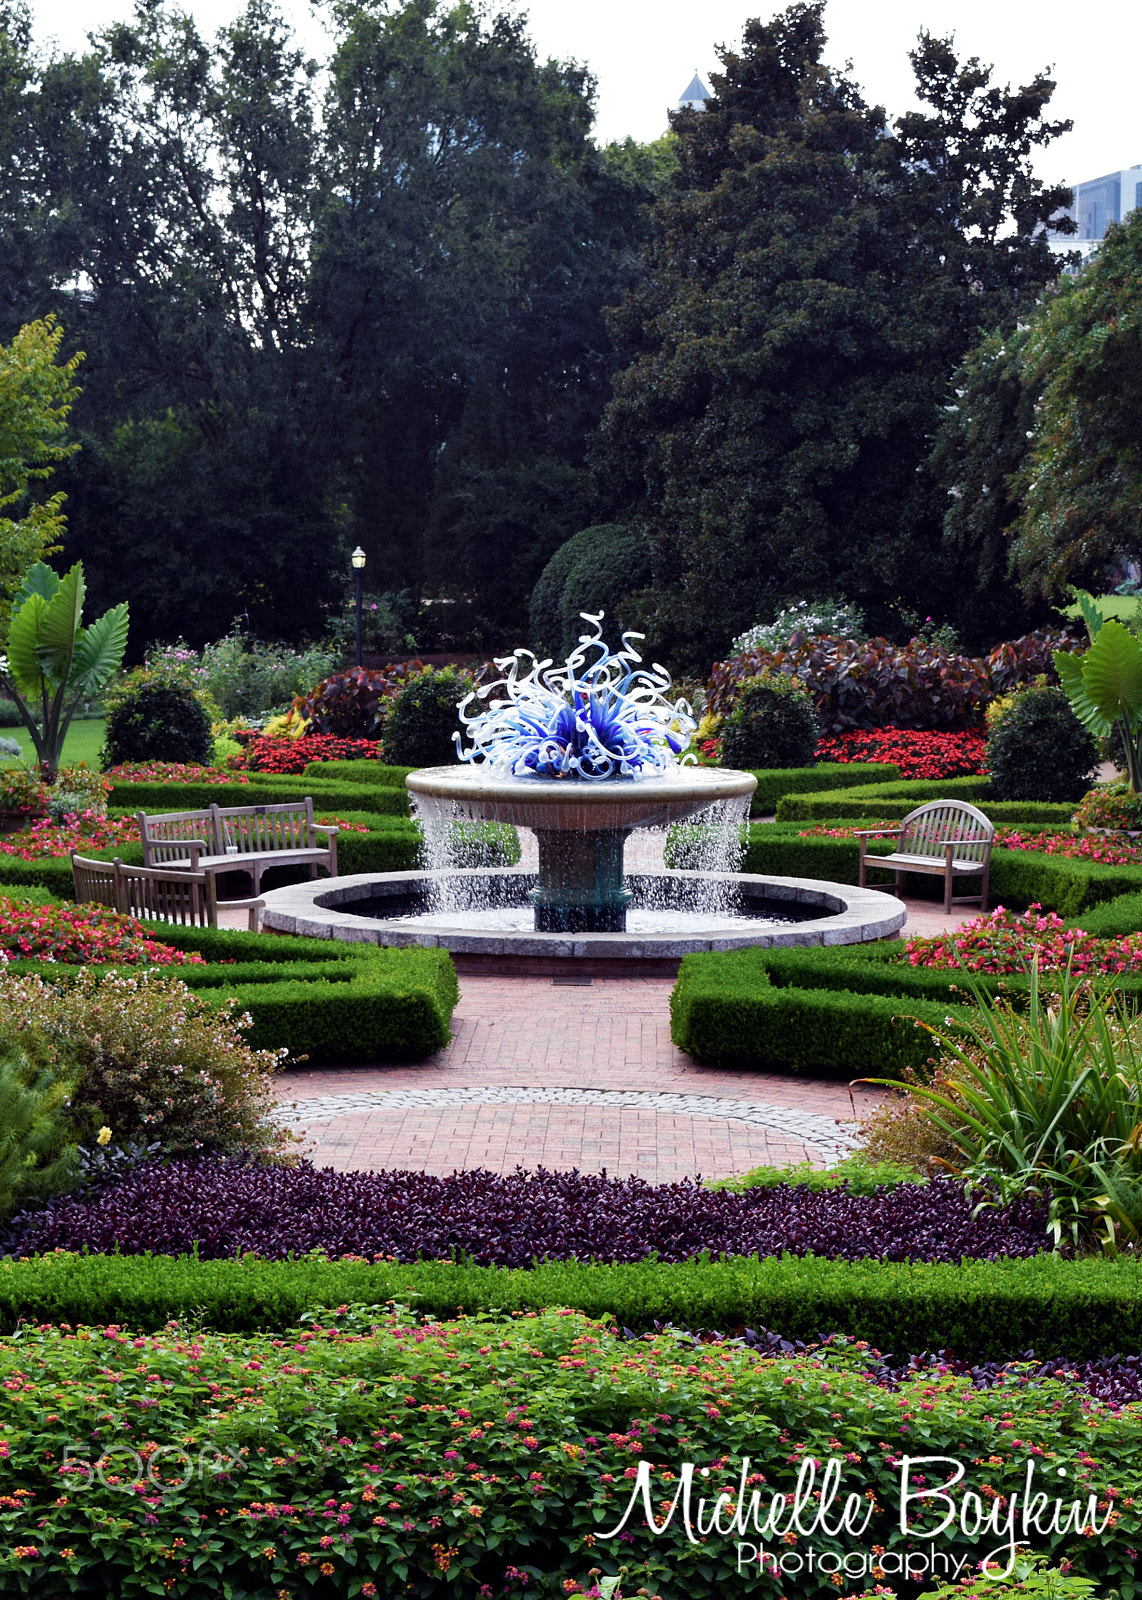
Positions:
(358, 560)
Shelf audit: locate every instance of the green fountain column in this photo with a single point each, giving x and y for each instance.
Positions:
(581, 887)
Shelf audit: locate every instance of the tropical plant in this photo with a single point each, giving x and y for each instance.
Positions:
(53, 661)
(1104, 684)
(1047, 1102)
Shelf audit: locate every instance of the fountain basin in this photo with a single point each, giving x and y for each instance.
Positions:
(816, 912)
(581, 827)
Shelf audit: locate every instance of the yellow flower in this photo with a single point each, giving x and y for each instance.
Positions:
(104, 1135)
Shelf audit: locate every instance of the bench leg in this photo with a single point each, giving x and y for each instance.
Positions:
(899, 883)
(948, 879)
(984, 888)
(863, 866)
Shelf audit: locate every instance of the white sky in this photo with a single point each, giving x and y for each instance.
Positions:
(644, 51)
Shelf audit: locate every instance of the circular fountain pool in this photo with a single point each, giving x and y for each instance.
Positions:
(494, 931)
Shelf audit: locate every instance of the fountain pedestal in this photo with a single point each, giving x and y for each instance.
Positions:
(581, 887)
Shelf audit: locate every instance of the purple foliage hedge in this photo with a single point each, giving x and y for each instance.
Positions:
(226, 1209)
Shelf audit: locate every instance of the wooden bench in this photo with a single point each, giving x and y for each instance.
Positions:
(154, 894)
(239, 839)
(946, 837)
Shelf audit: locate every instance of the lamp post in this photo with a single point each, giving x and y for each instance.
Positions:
(358, 560)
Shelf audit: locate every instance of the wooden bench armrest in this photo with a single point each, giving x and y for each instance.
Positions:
(326, 827)
(163, 873)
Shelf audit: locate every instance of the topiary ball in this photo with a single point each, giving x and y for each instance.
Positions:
(772, 725)
(1040, 750)
(158, 722)
(423, 718)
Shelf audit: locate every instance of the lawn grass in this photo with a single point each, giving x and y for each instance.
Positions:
(84, 741)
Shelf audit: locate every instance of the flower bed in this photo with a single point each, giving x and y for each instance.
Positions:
(369, 1455)
(1079, 847)
(171, 772)
(47, 840)
(917, 754)
(1009, 941)
(225, 1210)
(294, 755)
(82, 936)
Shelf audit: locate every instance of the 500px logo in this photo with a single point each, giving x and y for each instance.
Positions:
(127, 1470)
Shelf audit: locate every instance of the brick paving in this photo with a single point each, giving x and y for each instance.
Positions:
(529, 1034)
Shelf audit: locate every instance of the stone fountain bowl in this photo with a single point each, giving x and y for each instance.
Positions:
(577, 805)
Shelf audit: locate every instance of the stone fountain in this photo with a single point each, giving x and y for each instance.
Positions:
(582, 755)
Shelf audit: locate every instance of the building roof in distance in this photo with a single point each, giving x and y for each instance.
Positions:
(695, 94)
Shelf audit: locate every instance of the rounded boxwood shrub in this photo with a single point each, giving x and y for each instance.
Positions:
(595, 571)
(423, 718)
(1040, 750)
(772, 725)
(157, 721)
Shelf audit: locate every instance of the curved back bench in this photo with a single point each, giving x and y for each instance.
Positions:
(947, 838)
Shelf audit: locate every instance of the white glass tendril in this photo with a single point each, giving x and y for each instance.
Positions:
(594, 719)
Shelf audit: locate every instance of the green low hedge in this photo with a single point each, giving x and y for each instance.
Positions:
(1114, 917)
(319, 998)
(264, 789)
(775, 782)
(1019, 878)
(891, 800)
(370, 773)
(982, 1309)
(724, 1008)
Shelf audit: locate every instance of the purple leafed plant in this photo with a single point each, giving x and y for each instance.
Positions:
(226, 1208)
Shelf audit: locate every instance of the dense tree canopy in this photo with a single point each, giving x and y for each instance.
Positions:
(318, 311)
(812, 285)
(1082, 484)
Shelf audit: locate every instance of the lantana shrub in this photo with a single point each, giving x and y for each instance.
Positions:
(153, 1060)
(512, 1220)
(917, 754)
(366, 1455)
(1009, 941)
(82, 936)
(294, 755)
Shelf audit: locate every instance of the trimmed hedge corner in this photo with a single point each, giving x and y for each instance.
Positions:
(775, 782)
(726, 1008)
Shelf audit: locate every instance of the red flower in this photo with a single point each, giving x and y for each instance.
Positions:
(917, 754)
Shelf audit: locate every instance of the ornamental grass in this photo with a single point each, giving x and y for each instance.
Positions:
(1046, 1103)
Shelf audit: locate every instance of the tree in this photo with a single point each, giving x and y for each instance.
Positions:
(1082, 485)
(981, 446)
(53, 661)
(812, 286)
(36, 396)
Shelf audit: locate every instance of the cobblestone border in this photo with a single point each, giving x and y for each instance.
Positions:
(826, 1136)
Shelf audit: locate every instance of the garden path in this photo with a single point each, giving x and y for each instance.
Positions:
(546, 1074)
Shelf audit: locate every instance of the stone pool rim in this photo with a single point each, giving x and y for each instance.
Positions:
(320, 909)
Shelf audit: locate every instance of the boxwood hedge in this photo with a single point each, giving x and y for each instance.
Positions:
(319, 998)
(1065, 884)
(982, 1309)
(775, 782)
(329, 794)
(886, 800)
